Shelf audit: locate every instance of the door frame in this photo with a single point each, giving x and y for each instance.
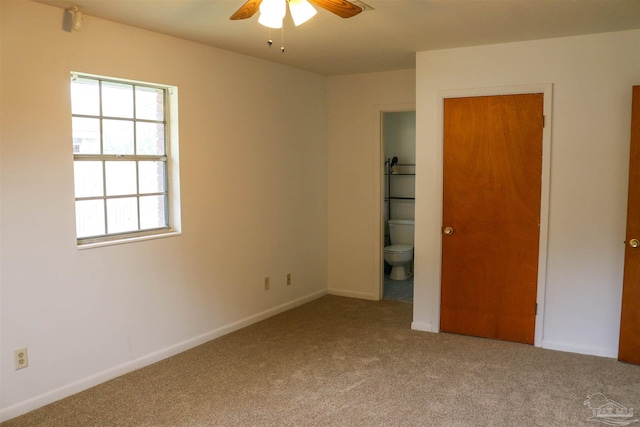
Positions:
(547, 90)
(378, 174)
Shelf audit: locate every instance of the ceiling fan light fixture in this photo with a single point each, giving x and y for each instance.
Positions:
(301, 11)
(272, 13)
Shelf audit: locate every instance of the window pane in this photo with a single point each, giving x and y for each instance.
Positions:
(86, 135)
(121, 178)
(117, 136)
(122, 215)
(120, 164)
(149, 103)
(152, 212)
(88, 178)
(85, 97)
(150, 138)
(90, 218)
(117, 100)
(151, 175)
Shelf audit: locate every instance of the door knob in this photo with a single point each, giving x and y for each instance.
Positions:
(449, 231)
(634, 243)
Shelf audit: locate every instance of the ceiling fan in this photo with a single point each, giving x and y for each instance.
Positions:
(342, 8)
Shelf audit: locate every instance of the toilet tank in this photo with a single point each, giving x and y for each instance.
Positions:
(401, 231)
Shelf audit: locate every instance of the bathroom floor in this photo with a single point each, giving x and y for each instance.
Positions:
(398, 290)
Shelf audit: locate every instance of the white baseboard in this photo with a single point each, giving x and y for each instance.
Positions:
(352, 294)
(424, 327)
(589, 350)
(550, 345)
(101, 377)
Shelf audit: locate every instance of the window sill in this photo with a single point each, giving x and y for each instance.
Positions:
(93, 245)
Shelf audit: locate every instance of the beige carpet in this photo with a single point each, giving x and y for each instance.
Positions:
(346, 362)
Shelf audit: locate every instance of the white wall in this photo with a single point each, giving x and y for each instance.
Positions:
(592, 78)
(355, 157)
(254, 199)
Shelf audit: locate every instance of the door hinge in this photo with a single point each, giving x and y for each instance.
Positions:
(544, 120)
(536, 313)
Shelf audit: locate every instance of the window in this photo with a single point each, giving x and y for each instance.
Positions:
(121, 158)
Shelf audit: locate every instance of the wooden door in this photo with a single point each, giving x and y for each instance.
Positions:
(491, 216)
(629, 348)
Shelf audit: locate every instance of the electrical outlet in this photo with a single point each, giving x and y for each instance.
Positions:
(20, 358)
(288, 279)
(266, 283)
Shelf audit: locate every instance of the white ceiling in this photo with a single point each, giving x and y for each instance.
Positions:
(385, 38)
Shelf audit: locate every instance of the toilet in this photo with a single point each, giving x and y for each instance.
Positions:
(400, 253)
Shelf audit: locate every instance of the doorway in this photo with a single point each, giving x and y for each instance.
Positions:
(398, 138)
(492, 190)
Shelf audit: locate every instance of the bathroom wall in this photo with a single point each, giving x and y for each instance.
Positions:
(254, 204)
(399, 140)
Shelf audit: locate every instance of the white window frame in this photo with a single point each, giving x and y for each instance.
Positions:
(172, 169)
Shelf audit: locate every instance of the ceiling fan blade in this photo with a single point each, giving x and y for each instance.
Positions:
(247, 10)
(342, 8)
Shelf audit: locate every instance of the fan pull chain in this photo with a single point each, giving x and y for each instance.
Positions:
(282, 45)
(269, 40)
